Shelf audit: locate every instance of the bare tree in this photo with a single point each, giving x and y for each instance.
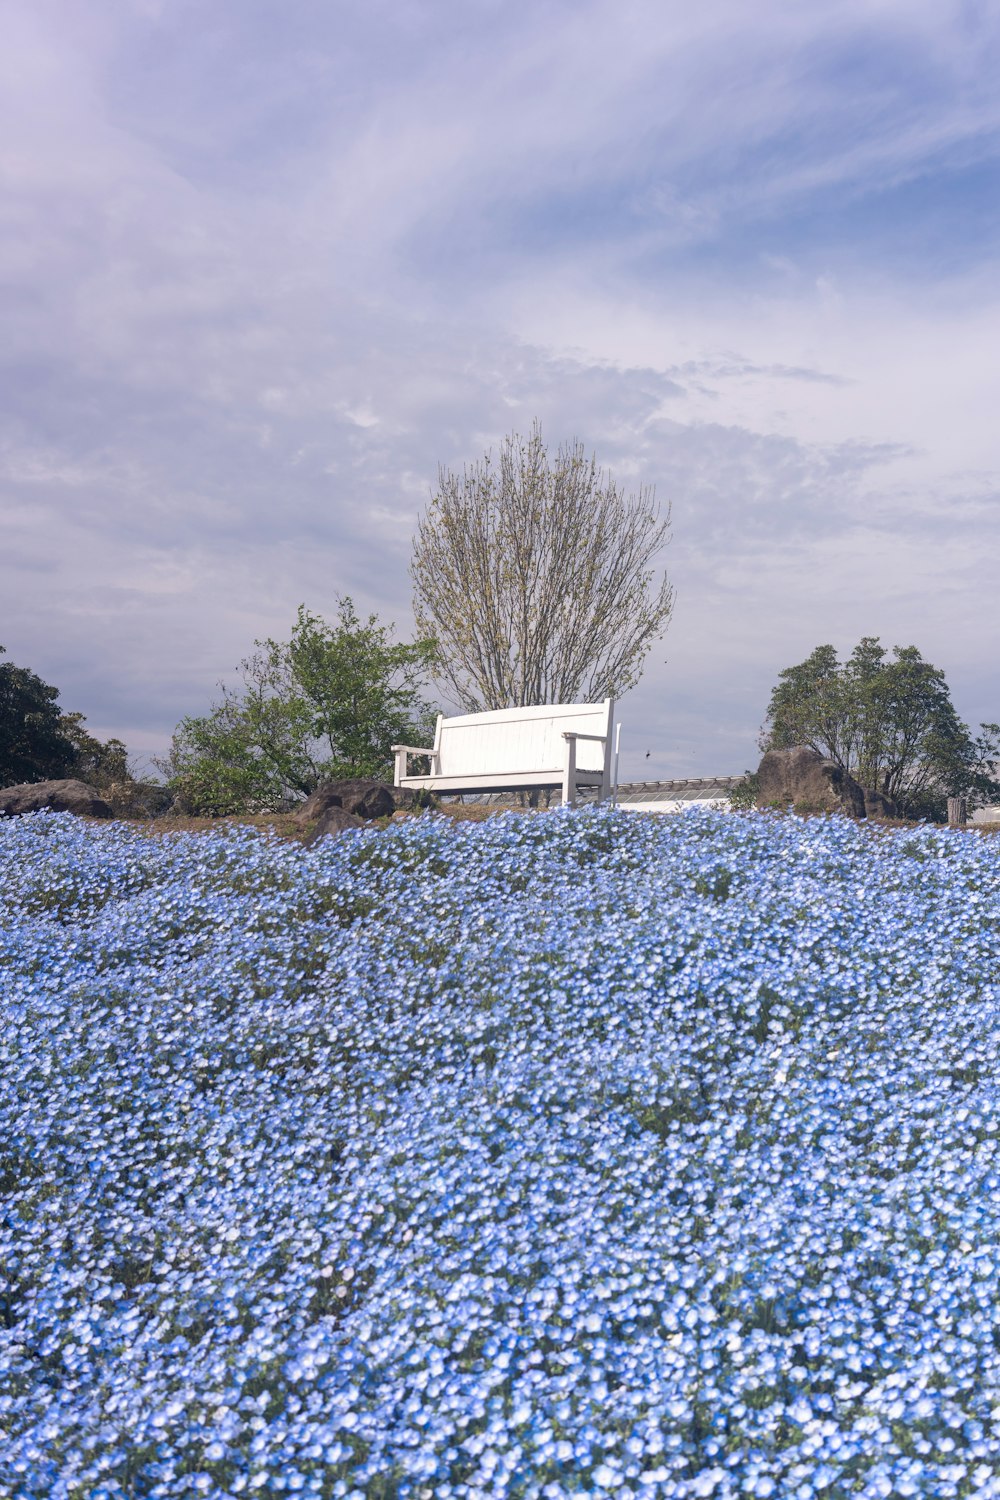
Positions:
(536, 578)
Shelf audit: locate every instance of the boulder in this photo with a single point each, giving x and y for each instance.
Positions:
(138, 799)
(878, 805)
(60, 796)
(365, 799)
(799, 777)
(334, 820)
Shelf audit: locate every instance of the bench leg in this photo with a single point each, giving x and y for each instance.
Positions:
(569, 776)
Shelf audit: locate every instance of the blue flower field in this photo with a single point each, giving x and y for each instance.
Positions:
(578, 1154)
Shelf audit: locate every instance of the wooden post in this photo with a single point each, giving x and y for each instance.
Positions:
(958, 812)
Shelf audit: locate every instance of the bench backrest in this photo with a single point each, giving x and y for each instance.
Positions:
(520, 739)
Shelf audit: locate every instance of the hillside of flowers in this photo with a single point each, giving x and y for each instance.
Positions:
(578, 1154)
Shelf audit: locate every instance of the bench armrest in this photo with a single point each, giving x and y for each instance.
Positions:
(569, 773)
(402, 753)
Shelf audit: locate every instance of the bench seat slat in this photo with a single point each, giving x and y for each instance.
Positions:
(521, 781)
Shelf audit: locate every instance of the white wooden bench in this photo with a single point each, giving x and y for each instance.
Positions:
(556, 746)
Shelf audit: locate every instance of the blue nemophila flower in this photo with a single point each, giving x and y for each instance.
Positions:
(577, 1155)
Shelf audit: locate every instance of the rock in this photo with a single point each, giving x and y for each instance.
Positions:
(800, 777)
(366, 799)
(60, 796)
(139, 799)
(400, 815)
(334, 820)
(878, 805)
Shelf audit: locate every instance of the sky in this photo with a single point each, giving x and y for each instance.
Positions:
(264, 267)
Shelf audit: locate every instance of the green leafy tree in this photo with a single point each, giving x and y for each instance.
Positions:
(328, 703)
(101, 763)
(33, 742)
(887, 720)
(38, 742)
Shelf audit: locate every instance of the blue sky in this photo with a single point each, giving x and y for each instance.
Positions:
(263, 268)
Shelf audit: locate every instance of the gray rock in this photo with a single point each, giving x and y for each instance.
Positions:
(878, 805)
(800, 778)
(366, 799)
(60, 796)
(138, 799)
(334, 820)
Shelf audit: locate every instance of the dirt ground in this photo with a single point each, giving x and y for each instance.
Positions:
(284, 826)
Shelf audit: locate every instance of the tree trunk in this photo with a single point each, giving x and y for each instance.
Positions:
(958, 812)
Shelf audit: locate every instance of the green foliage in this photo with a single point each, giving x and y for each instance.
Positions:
(328, 703)
(101, 763)
(33, 745)
(40, 743)
(743, 795)
(889, 722)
